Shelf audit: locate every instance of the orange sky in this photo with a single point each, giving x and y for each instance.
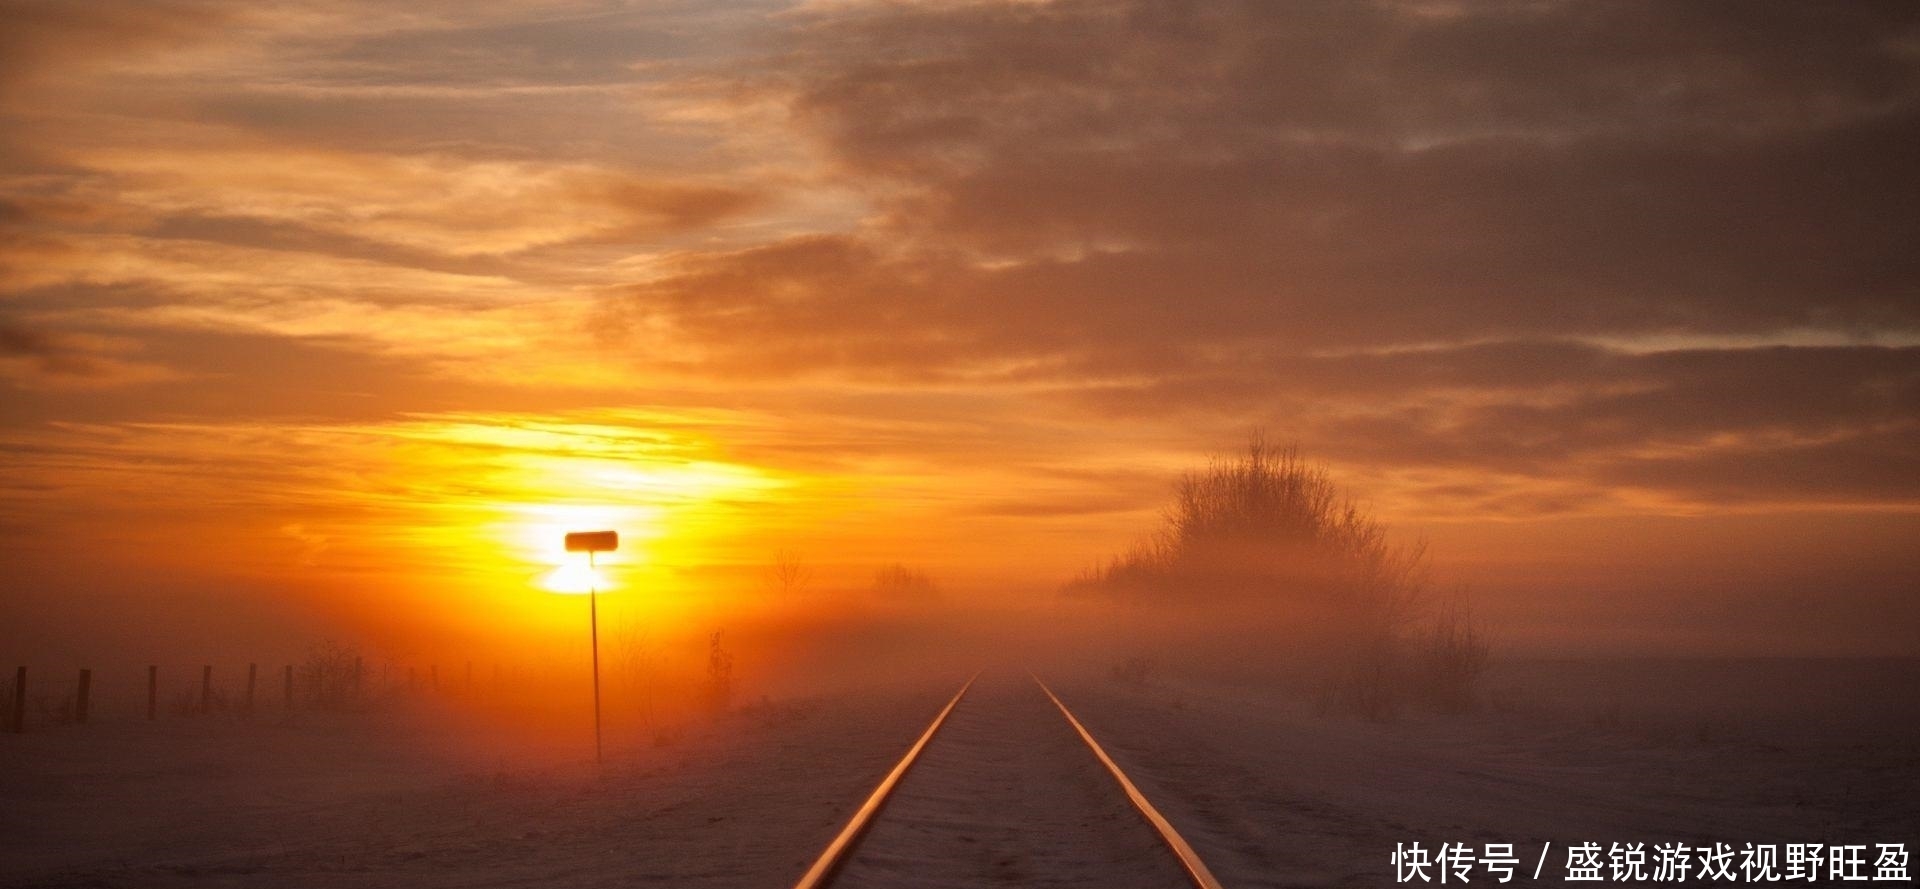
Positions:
(349, 310)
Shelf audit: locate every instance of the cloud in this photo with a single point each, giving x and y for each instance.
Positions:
(44, 36)
(1513, 258)
(1576, 423)
(1376, 174)
(37, 359)
(1441, 238)
(422, 202)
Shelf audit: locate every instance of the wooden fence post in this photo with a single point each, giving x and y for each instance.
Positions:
(252, 671)
(206, 689)
(20, 700)
(153, 691)
(80, 697)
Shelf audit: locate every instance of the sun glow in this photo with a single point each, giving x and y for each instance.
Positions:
(657, 509)
(575, 578)
(455, 525)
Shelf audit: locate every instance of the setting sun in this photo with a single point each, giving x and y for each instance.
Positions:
(576, 578)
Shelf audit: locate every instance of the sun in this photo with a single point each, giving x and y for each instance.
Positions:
(575, 578)
(538, 532)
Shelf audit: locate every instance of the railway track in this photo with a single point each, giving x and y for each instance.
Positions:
(1007, 787)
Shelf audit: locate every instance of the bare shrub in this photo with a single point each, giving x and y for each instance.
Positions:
(899, 583)
(637, 659)
(1450, 655)
(719, 689)
(330, 677)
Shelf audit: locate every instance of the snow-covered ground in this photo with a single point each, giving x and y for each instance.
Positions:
(1270, 793)
(379, 799)
(1676, 752)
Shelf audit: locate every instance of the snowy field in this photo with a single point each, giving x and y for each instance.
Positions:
(376, 799)
(1648, 751)
(1269, 792)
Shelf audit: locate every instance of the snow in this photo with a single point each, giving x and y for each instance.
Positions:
(389, 799)
(1270, 792)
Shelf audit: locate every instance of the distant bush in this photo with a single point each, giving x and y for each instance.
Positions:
(899, 583)
(330, 677)
(719, 690)
(1271, 547)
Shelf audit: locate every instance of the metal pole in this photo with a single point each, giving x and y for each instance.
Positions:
(593, 630)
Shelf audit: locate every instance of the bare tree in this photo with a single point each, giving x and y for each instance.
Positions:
(788, 575)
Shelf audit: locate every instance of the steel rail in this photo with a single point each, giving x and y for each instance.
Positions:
(1189, 860)
(837, 851)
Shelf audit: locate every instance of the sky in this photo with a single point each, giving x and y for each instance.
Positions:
(337, 314)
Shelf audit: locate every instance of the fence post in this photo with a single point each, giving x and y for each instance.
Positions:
(80, 697)
(252, 671)
(289, 684)
(20, 700)
(153, 691)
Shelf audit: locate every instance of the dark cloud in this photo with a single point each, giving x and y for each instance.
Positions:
(599, 46)
(1618, 401)
(596, 125)
(1833, 424)
(49, 353)
(529, 81)
(1366, 174)
(38, 363)
(47, 34)
(1396, 228)
(1873, 465)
